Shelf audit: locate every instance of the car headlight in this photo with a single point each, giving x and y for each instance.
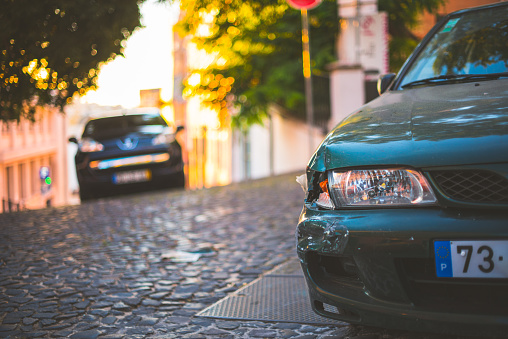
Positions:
(377, 188)
(90, 145)
(163, 138)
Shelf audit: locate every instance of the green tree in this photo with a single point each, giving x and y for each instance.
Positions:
(402, 18)
(258, 49)
(51, 50)
(259, 46)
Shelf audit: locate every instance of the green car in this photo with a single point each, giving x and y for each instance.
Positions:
(405, 220)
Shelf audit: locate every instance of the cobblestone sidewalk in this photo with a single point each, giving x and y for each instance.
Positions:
(142, 266)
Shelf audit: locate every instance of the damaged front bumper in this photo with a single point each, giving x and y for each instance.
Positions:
(376, 267)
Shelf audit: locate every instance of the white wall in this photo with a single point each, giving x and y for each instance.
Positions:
(347, 90)
(260, 151)
(291, 150)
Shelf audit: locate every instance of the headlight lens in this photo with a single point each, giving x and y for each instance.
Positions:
(163, 138)
(90, 145)
(380, 188)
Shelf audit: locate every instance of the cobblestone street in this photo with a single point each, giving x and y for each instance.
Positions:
(143, 265)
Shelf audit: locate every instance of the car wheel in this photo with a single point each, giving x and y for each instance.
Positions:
(177, 180)
(85, 194)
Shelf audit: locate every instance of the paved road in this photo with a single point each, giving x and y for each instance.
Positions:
(117, 267)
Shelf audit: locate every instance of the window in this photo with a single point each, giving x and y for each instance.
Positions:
(9, 182)
(34, 176)
(22, 181)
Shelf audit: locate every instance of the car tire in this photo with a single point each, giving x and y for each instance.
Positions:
(180, 180)
(85, 194)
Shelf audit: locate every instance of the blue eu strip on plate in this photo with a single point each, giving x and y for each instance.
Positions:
(443, 257)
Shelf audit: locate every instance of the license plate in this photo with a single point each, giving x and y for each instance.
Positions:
(129, 177)
(471, 259)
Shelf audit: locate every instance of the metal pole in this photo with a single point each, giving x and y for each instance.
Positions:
(307, 76)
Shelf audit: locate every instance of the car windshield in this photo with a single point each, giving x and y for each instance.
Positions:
(475, 43)
(117, 126)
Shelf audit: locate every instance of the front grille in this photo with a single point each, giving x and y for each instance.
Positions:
(454, 295)
(474, 186)
(332, 273)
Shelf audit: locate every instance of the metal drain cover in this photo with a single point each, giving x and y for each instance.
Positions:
(277, 296)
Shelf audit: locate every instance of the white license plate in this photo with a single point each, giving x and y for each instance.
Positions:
(471, 258)
(129, 177)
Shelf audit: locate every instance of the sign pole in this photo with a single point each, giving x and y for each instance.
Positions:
(307, 77)
(303, 6)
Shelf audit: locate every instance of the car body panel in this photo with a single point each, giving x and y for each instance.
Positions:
(420, 123)
(376, 239)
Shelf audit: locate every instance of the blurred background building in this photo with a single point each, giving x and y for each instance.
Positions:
(33, 162)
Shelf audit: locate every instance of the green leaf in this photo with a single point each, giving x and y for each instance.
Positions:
(51, 50)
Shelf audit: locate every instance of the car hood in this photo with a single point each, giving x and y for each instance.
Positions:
(430, 126)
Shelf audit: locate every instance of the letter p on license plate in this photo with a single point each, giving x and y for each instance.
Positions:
(471, 258)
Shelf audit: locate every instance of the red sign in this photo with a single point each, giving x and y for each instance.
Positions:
(303, 4)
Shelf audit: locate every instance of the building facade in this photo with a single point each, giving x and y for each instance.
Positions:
(33, 167)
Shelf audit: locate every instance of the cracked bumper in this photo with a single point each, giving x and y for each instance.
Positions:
(376, 267)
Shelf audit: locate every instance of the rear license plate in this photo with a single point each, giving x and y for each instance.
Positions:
(471, 259)
(129, 177)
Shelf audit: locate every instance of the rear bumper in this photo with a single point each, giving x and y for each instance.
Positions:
(376, 267)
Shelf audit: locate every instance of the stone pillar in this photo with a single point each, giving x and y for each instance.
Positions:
(361, 54)
(347, 91)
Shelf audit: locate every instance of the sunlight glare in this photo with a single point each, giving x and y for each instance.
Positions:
(148, 61)
(194, 79)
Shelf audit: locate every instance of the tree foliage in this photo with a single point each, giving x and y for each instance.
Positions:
(258, 50)
(402, 18)
(51, 50)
